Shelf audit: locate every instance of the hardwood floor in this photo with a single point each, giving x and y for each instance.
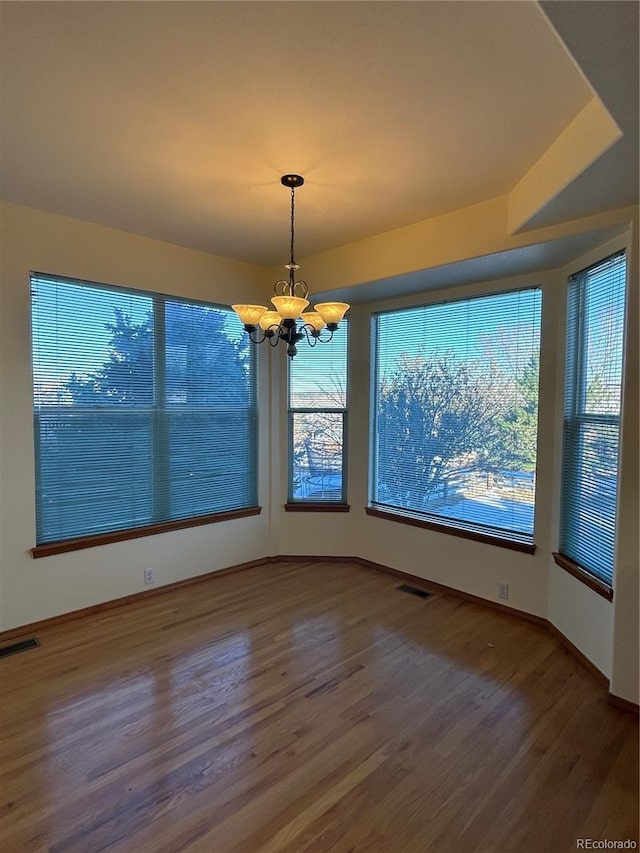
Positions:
(308, 707)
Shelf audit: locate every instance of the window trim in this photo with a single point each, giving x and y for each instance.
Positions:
(524, 543)
(426, 522)
(583, 575)
(63, 546)
(316, 506)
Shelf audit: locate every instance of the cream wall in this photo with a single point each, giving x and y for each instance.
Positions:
(606, 633)
(36, 589)
(466, 565)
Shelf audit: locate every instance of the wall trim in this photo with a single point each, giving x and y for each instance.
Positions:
(133, 598)
(485, 602)
(624, 704)
(580, 656)
(449, 590)
(315, 558)
(143, 595)
(616, 701)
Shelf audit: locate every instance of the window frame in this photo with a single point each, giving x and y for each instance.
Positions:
(575, 417)
(523, 543)
(340, 504)
(159, 417)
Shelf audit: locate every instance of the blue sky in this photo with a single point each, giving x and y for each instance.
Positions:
(82, 312)
(461, 328)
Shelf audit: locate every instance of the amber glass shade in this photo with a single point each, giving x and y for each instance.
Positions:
(332, 312)
(313, 319)
(269, 319)
(290, 307)
(249, 314)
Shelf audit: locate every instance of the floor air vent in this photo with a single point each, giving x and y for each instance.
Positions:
(22, 646)
(413, 590)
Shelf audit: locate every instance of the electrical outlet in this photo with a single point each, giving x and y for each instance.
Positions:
(149, 576)
(503, 590)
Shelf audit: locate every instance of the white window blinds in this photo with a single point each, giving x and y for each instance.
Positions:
(455, 412)
(318, 420)
(144, 409)
(595, 337)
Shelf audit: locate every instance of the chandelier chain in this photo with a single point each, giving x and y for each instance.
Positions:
(293, 201)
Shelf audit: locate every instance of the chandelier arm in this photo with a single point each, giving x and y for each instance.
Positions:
(326, 340)
(314, 337)
(253, 335)
(310, 333)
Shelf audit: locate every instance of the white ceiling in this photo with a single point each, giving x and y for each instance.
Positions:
(175, 120)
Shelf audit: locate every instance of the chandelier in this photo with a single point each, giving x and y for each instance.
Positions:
(290, 322)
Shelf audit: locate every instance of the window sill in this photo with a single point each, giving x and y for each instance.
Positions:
(464, 533)
(48, 549)
(594, 583)
(317, 506)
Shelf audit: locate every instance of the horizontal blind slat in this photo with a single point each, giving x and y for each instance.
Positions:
(144, 409)
(317, 420)
(593, 390)
(455, 410)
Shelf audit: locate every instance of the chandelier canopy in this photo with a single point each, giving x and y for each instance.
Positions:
(289, 322)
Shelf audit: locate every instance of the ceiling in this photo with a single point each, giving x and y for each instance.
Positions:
(603, 39)
(175, 120)
(530, 259)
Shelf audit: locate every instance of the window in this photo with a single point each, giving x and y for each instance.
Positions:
(455, 411)
(318, 421)
(144, 409)
(593, 383)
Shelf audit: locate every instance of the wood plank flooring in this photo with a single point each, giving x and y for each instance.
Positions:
(304, 708)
